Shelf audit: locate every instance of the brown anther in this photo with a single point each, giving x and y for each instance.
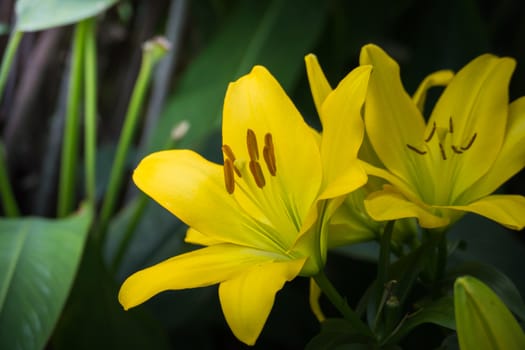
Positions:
(443, 154)
(228, 152)
(416, 150)
(464, 148)
(229, 180)
(431, 133)
(257, 173)
(456, 150)
(269, 154)
(251, 142)
(450, 125)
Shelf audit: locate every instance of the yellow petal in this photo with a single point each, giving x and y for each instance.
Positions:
(315, 295)
(506, 210)
(390, 205)
(343, 131)
(319, 85)
(247, 299)
(350, 223)
(439, 78)
(476, 100)
(393, 120)
(193, 189)
(199, 268)
(510, 159)
(257, 102)
(195, 237)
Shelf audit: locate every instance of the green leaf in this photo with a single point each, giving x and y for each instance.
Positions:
(483, 321)
(33, 15)
(439, 312)
(38, 261)
(496, 280)
(337, 333)
(94, 319)
(275, 34)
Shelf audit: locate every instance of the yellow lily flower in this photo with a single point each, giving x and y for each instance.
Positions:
(261, 214)
(351, 223)
(471, 144)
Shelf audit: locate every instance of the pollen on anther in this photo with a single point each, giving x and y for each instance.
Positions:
(456, 150)
(255, 169)
(431, 133)
(450, 125)
(251, 142)
(442, 149)
(464, 148)
(416, 150)
(229, 180)
(228, 152)
(269, 154)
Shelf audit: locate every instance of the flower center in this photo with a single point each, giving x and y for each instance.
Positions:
(230, 169)
(441, 134)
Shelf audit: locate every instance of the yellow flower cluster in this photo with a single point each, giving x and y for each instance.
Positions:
(286, 193)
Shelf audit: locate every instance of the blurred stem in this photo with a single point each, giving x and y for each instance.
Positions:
(8, 199)
(66, 189)
(153, 51)
(441, 257)
(131, 227)
(7, 60)
(438, 261)
(383, 286)
(340, 303)
(90, 111)
(384, 256)
(141, 203)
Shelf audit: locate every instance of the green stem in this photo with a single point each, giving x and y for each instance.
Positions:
(6, 191)
(7, 60)
(138, 211)
(441, 258)
(131, 227)
(66, 189)
(340, 303)
(383, 266)
(90, 111)
(8, 199)
(152, 52)
(384, 256)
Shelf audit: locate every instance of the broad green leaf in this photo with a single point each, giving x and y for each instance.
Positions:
(496, 280)
(482, 320)
(276, 34)
(38, 261)
(337, 333)
(33, 15)
(439, 312)
(93, 318)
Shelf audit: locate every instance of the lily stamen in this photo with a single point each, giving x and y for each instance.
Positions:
(255, 169)
(229, 155)
(228, 152)
(251, 142)
(416, 150)
(229, 180)
(464, 148)
(269, 154)
(456, 150)
(450, 126)
(443, 154)
(431, 133)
